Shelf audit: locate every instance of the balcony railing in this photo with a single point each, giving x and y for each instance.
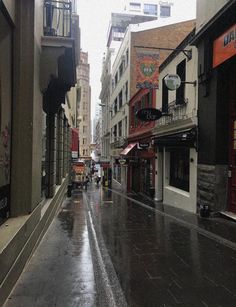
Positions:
(57, 16)
(176, 112)
(119, 142)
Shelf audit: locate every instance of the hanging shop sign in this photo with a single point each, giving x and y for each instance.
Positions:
(172, 82)
(143, 145)
(147, 69)
(224, 47)
(148, 114)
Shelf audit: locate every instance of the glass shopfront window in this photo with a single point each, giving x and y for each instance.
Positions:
(5, 115)
(179, 168)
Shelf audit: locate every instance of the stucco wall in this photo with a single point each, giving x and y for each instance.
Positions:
(206, 9)
(176, 197)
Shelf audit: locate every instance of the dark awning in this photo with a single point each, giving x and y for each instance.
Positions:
(187, 138)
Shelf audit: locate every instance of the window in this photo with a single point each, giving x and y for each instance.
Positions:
(116, 79)
(78, 95)
(120, 128)
(165, 97)
(150, 9)
(127, 56)
(180, 92)
(126, 91)
(115, 106)
(137, 107)
(84, 141)
(115, 131)
(120, 99)
(121, 69)
(133, 116)
(179, 168)
(165, 11)
(135, 6)
(126, 123)
(149, 98)
(143, 101)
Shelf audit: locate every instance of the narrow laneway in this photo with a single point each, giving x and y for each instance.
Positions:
(148, 258)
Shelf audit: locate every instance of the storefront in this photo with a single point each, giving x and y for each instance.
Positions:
(140, 167)
(178, 156)
(217, 111)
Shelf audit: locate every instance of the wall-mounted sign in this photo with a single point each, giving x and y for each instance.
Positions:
(147, 69)
(224, 47)
(172, 82)
(143, 145)
(149, 114)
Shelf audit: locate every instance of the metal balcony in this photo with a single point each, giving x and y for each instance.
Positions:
(119, 142)
(57, 18)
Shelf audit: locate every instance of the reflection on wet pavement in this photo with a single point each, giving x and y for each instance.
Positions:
(160, 262)
(60, 273)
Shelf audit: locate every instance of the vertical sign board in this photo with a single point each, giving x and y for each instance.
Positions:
(224, 47)
(147, 69)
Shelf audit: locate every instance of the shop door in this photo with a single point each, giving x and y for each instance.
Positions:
(232, 142)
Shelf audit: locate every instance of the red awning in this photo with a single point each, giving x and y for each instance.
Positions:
(128, 149)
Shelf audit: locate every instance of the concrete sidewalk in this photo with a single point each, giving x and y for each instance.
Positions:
(60, 273)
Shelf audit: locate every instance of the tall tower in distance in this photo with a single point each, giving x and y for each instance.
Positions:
(84, 106)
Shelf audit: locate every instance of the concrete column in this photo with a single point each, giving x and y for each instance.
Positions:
(27, 107)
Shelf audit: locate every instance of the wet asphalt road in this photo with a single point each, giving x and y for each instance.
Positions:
(158, 261)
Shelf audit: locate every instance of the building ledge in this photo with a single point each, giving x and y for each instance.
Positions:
(20, 236)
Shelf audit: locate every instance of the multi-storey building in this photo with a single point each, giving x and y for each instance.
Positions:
(124, 75)
(175, 136)
(115, 80)
(84, 106)
(215, 40)
(37, 69)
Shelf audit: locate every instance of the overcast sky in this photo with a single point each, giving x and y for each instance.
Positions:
(94, 21)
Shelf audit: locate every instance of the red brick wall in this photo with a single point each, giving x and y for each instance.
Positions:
(166, 37)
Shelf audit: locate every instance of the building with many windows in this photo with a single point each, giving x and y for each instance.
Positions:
(124, 81)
